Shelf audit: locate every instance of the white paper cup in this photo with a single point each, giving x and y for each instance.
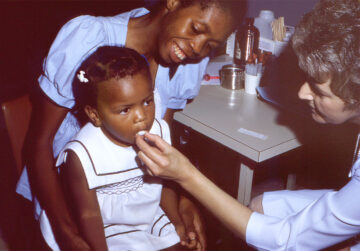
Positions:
(251, 82)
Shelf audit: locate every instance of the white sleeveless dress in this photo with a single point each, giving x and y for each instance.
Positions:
(128, 200)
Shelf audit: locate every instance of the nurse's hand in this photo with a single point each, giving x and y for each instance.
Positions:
(162, 159)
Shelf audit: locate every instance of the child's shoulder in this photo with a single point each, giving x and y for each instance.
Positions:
(88, 131)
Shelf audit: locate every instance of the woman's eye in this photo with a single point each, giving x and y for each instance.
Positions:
(195, 29)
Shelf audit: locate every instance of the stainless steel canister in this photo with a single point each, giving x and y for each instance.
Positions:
(232, 76)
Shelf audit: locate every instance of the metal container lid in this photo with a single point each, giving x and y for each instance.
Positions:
(233, 68)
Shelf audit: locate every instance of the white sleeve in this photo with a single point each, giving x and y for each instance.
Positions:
(75, 41)
(329, 220)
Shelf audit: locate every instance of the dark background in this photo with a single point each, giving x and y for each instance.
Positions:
(27, 30)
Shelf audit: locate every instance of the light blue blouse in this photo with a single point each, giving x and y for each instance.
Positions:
(76, 40)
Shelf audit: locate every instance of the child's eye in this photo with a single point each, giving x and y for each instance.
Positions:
(124, 111)
(148, 102)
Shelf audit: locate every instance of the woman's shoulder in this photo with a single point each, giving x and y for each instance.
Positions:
(121, 18)
(80, 20)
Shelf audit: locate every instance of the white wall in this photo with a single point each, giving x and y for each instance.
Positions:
(291, 10)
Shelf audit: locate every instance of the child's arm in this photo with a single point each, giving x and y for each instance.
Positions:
(84, 203)
(170, 204)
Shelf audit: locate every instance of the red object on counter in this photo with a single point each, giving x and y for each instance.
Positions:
(207, 77)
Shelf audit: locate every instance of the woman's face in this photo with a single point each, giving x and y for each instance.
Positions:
(124, 107)
(325, 106)
(189, 34)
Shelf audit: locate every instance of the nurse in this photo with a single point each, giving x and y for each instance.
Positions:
(327, 44)
(176, 37)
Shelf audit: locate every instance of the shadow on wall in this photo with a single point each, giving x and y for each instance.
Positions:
(282, 79)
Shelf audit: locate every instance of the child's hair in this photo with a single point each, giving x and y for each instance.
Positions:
(236, 8)
(327, 43)
(107, 62)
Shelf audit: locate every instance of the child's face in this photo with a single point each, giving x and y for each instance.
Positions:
(325, 106)
(125, 107)
(190, 33)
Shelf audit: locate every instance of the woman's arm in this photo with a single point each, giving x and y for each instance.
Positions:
(169, 116)
(84, 203)
(166, 162)
(45, 120)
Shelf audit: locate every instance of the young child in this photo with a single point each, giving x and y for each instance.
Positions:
(115, 206)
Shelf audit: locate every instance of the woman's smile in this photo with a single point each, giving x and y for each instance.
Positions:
(177, 54)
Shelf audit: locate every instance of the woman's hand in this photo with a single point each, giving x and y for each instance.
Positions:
(162, 159)
(68, 239)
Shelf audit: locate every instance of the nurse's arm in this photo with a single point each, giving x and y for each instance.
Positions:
(166, 162)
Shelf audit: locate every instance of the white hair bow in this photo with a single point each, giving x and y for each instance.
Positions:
(81, 77)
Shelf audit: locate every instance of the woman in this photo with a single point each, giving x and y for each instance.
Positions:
(175, 37)
(326, 42)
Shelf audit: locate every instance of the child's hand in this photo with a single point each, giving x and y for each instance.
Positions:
(188, 239)
(193, 221)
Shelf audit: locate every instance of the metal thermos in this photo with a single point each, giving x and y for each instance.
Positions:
(246, 42)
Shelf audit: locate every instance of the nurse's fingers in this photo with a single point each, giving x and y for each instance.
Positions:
(152, 152)
(151, 168)
(162, 159)
(157, 141)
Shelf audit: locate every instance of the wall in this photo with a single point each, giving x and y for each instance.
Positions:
(291, 10)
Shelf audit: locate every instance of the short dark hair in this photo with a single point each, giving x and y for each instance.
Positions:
(327, 44)
(107, 62)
